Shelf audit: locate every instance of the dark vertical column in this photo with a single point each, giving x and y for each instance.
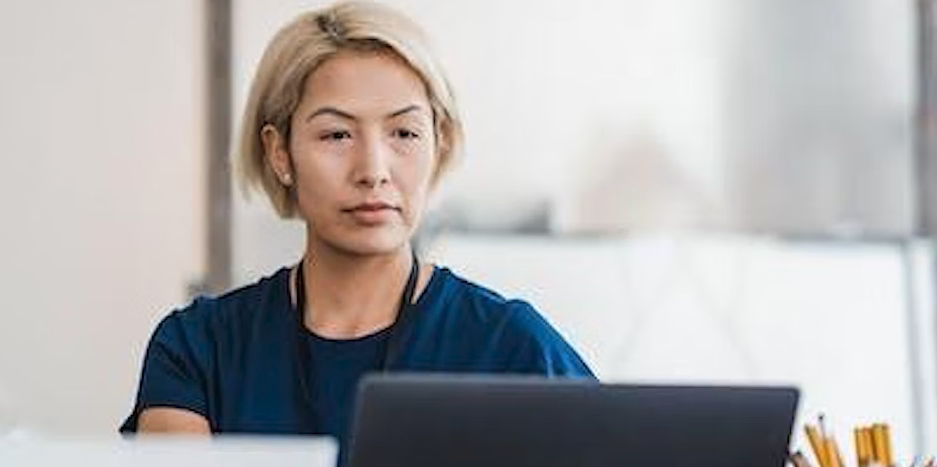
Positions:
(925, 153)
(926, 144)
(218, 35)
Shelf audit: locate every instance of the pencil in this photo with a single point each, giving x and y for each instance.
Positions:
(869, 442)
(833, 458)
(832, 452)
(863, 456)
(869, 445)
(878, 444)
(888, 458)
(881, 439)
(816, 442)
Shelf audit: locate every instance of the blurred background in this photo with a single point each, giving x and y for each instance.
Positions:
(739, 191)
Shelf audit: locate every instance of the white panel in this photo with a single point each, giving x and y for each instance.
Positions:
(102, 122)
(922, 259)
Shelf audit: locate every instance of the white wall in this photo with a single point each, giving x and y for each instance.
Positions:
(821, 113)
(101, 122)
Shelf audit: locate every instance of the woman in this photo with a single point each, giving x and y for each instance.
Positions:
(348, 126)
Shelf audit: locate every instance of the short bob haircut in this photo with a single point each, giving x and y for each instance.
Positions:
(304, 44)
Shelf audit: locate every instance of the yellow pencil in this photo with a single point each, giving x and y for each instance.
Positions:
(832, 452)
(816, 442)
(888, 459)
(863, 456)
(833, 458)
(869, 444)
(878, 444)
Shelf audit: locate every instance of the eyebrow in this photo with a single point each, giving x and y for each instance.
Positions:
(347, 116)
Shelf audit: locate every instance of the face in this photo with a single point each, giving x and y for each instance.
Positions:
(361, 153)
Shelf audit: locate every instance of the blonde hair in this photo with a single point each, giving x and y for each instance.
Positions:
(305, 43)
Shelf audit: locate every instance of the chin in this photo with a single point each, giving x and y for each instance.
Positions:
(374, 245)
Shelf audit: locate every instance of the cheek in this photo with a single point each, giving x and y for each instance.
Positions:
(318, 185)
(417, 176)
(426, 160)
(320, 164)
(414, 181)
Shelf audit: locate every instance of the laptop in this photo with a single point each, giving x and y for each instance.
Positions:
(160, 451)
(513, 421)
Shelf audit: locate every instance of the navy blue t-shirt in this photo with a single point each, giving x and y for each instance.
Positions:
(236, 359)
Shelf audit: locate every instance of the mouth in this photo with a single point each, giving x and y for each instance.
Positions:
(371, 207)
(372, 214)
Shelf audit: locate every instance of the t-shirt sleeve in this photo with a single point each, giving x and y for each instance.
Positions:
(540, 347)
(174, 369)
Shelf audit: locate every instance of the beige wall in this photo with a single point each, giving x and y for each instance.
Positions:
(101, 126)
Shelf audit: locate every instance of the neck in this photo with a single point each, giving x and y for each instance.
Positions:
(350, 296)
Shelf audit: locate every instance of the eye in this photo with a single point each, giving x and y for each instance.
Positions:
(336, 135)
(404, 133)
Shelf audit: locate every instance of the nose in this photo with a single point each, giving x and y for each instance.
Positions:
(373, 168)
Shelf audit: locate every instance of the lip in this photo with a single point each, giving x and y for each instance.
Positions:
(371, 206)
(372, 213)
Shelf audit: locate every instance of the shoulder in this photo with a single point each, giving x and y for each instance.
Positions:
(453, 287)
(479, 304)
(215, 317)
(511, 326)
(198, 348)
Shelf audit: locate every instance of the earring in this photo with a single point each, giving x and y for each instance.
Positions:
(287, 179)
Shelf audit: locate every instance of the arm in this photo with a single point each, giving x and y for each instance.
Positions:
(172, 395)
(172, 420)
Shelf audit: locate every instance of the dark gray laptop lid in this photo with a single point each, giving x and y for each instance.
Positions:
(495, 421)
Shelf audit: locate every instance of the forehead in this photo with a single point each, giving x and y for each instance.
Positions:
(363, 83)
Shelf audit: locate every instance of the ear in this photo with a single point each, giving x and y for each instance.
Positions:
(277, 155)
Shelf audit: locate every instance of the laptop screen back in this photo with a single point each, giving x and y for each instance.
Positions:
(462, 421)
